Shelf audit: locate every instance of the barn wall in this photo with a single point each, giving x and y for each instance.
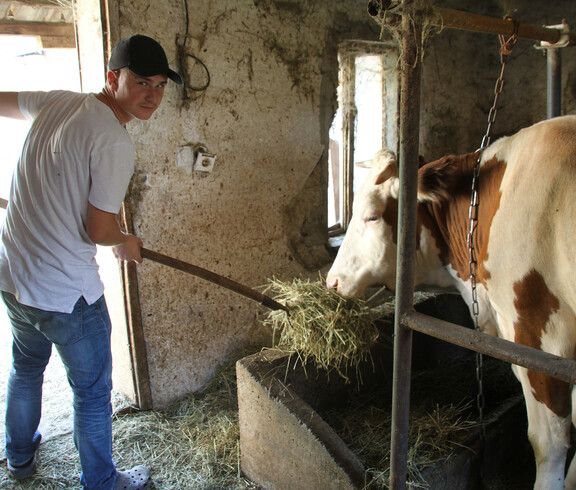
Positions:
(261, 212)
(266, 113)
(460, 70)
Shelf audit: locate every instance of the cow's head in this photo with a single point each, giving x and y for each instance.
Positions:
(367, 255)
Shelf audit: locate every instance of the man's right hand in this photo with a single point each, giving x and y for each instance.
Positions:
(103, 228)
(129, 250)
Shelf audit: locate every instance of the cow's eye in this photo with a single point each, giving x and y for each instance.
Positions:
(371, 219)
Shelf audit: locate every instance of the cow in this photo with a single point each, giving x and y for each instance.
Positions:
(525, 246)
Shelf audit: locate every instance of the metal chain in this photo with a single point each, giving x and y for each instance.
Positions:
(505, 50)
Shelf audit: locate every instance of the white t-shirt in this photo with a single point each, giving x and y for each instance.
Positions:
(76, 151)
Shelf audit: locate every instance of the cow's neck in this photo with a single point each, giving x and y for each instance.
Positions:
(448, 220)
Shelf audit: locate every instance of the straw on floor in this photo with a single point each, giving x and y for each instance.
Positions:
(194, 444)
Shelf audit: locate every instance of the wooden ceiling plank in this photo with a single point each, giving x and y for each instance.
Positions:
(34, 3)
(54, 29)
(58, 42)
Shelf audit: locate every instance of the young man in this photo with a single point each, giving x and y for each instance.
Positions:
(67, 189)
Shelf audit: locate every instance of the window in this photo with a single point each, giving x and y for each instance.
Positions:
(366, 121)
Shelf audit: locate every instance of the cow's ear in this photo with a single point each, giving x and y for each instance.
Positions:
(385, 165)
(435, 178)
(386, 173)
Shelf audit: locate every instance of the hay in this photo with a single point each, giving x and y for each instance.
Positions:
(428, 18)
(442, 417)
(336, 333)
(432, 437)
(195, 442)
(192, 444)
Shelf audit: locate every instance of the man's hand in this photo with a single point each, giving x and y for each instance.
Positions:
(129, 250)
(103, 229)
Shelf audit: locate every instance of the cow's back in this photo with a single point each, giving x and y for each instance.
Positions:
(533, 233)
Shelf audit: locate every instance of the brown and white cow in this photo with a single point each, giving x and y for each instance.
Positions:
(526, 250)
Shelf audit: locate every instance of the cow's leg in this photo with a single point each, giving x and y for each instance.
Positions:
(548, 426)
(570, 483)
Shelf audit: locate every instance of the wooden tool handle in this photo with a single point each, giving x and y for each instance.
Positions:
(202, 273)
(212, 277)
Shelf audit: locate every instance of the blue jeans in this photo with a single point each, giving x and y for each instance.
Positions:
(82, 339)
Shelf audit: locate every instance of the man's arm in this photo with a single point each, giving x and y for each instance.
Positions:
(103, 229)
(9, 105)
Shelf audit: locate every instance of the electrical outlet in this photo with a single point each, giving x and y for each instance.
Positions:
(204, 162)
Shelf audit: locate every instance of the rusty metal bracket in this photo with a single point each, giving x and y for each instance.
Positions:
(566, 38)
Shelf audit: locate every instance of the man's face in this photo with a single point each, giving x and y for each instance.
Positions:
(138, 96)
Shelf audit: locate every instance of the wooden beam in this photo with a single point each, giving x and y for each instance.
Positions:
(53, 34)
(58, 42)
(36, 3)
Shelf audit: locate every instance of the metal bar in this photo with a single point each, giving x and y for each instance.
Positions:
(521, 355)
(408, 152)
(554, 81)
(455, 19)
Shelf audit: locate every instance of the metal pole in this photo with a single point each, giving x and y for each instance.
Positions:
(350, 113)
(408, 152)
(521, 355)
(455, 19)
(554, 83)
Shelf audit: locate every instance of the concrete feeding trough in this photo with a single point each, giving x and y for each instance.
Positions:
(290, 438)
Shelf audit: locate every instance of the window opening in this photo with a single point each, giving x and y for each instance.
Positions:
(365, 122)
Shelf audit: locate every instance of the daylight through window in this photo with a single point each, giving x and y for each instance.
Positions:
(365, 122)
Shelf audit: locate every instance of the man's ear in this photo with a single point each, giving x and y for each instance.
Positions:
(112, 77)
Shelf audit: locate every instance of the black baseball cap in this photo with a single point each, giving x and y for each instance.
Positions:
(142, 55)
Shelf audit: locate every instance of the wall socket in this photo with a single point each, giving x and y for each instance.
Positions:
(204, 162)
(195, 157)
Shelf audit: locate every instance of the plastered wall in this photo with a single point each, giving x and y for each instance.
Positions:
(460, 70)
(266, 113)
(261, 211)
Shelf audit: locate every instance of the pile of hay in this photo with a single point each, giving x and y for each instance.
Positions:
(443, 415)
(337, 333)
(432, 436)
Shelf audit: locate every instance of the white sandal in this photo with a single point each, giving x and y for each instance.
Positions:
(137, 478)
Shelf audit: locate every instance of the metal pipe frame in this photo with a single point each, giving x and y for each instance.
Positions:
(521, 355)
(406, 319)
(455, 19)
(410, 77)
(554, 82)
